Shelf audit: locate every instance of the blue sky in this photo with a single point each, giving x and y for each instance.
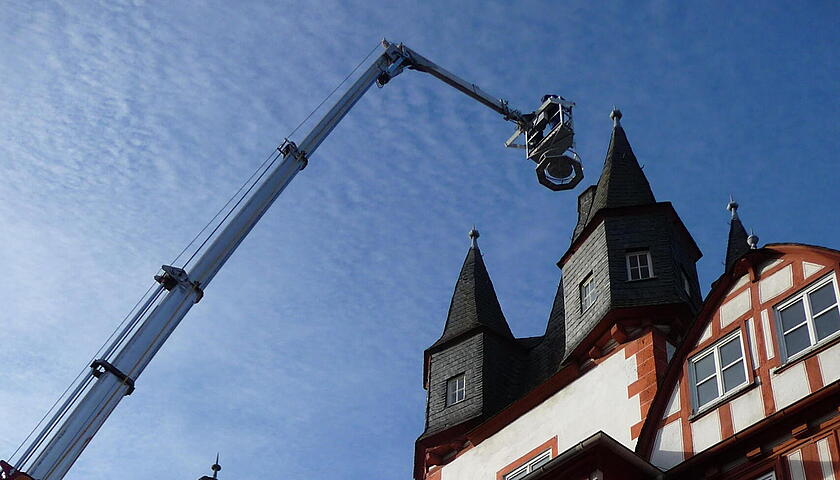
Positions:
(125, 125)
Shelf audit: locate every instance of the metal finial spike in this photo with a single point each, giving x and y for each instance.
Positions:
(474, 237)
(216, 467)
(752, 240)
(732, 206)
(615, 115)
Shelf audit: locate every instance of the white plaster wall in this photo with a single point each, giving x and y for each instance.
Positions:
(596, 401)
(707, 334)
(790, 385)
(705, 431)
(826, 462)
(830, 364)
(809, 268)
(768, 265)
(775, 284)
(768, 336)
(753, 343)
(747, 409)
(735, 308)
(673, 402)
(668, 447)
(795, 466)
(740, 283)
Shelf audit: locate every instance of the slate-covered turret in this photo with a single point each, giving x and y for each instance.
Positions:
(736, 245)
(473, 354)
(630, 255)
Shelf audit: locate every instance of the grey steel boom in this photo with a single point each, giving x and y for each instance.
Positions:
(548, 138)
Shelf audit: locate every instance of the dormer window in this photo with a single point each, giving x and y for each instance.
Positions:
(456, 389)
(809, 318)
(587, 293)
(639, 265)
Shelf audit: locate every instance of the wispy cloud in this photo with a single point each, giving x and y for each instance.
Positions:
(126, 125)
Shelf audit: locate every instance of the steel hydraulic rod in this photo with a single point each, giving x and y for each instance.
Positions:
(134, 348)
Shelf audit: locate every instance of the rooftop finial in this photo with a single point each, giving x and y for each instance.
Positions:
(615, 115)
(216, 467)
(732, 206)
(474, 237)
(752, 240)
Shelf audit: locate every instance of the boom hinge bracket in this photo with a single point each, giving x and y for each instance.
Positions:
(107, 367)
(290, 148)
(174, 276)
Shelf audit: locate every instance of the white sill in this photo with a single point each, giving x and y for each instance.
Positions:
(654, 277)
(804, 353)
(721, 400)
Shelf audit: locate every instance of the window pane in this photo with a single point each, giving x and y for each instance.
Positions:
(792, 315)
(540, 461)
(634, 261)
(734, 376)
(707, 391)
(822, 298)
(643, 260)
(797, 340)
(730, 351)
(827, 323)
(704, 368)
(519, 473)
(455, 389)
(645, 272)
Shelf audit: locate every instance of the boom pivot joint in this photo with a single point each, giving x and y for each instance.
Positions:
(107, 367)
(174, 276)
(290, 148)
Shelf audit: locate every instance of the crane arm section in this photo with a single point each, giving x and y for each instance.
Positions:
(52, 452)
(415, 61)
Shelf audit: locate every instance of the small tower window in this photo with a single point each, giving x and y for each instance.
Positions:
(587, 293)
(639, 265)
(456, 389)
(686, 283)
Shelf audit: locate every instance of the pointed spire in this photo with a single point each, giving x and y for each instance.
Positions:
(622, 182)
(737, 244)
(752, 240)
(215, 468)
(474, 303)
(474, 237)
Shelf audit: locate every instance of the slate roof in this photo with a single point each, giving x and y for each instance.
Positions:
(737, 245)
(474, 303)
(622, 182)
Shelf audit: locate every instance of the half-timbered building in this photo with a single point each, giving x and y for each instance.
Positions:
(637, 376)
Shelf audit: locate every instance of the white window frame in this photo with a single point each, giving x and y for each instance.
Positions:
(638, 254)
(459, 392)
(588, 295)
(529, 466)
(715, 351)
(809, 318)
(767, 476)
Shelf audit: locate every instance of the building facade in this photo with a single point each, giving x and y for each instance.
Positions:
(637, 376)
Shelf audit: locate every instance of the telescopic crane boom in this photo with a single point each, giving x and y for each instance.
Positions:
(548, 138)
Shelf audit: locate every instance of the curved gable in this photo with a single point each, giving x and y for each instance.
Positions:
(739, 363)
